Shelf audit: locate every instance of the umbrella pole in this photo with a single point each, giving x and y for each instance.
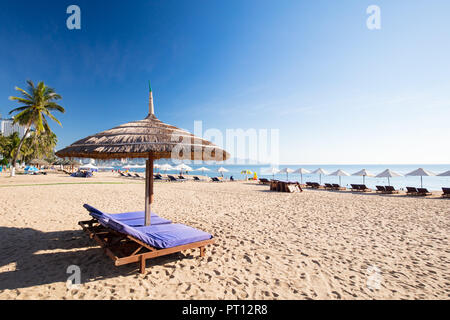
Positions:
(148, 189)
(421, 182)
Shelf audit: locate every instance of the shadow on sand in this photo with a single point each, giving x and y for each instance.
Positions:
(30, 257)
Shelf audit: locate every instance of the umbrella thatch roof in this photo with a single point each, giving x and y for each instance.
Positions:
(144, 138)
(39, 162)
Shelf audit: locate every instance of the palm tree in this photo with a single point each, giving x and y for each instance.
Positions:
(38, 102)
(40, 146)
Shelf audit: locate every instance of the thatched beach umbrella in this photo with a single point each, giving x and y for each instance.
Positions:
(39, 162)
(149, 138)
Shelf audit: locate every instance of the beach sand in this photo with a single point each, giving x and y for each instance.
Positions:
(269, 245)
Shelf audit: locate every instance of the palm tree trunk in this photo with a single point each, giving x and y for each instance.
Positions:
(16, 154)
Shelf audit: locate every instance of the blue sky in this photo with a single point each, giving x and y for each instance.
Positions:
(337, 91)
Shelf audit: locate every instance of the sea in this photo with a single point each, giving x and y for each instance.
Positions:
(432, 183)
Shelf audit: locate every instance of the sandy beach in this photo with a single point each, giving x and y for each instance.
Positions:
(312, 245)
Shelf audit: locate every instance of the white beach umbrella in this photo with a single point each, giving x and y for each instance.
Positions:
(134, 166)
(444, 174)
(339, 173)
(320, 172)
(105, 168)
(165, 167)
(388, 174)
(89, 166)
(421, 173)
(270, 170)
(302, 171)
(183, 167)
(287, 171)
(222, 170)
(364, 173)
(274, 171)
(202, 169)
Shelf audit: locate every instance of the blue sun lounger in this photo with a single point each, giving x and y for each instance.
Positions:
(126, 244)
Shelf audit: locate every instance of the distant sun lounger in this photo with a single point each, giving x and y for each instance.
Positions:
(264, 181)
(172, 178)
(126, 244)
(411, 191)
(390, 190)
(316, 185)
(423, 192)
(338, 187)
(386, 189)
(446, 193)
(360, 188)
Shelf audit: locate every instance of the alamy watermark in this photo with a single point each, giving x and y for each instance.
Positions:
(374, 278)
(250, 146)
(374, 20)
(73, 22)
(74, 280)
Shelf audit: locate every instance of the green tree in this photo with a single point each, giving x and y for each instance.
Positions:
(40, 146)
(37, 104)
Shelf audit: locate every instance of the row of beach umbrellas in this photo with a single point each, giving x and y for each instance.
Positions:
(420, 172)
(181, 168)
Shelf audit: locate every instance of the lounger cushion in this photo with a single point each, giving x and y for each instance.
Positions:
(172, 235)
(163, 235)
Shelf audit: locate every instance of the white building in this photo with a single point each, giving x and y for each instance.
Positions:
(7, 127)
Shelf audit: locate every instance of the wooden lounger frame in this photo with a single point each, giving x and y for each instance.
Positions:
(124, 249)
